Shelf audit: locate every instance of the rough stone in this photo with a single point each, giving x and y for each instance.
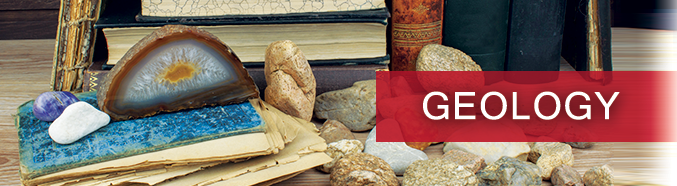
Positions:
(362, 169)
(599, 176)
(397, 154)
(492, 151)
(581, 145)
(333, 131)
(469, 161)
(76, 121)
(291, 83)
(510, 171)
(548, 155)
(355, 106)
(435, 57)
(438, 172)
(566, 176)
(338, 150)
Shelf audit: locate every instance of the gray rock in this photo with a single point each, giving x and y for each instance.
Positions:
(436, 57)
(397, 154)
(581, 145)
(510, 171)
(438, 172)
(548, 155)
(492, 151)
(599, 176)
(355, 106)
(566, 176)
(469, 161)
(337, 150)
(76, 121)
(333, 131)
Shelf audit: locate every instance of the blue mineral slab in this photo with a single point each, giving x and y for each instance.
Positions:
(39, 155)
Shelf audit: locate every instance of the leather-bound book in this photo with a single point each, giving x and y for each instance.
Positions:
(479, 28)
(415, 23)
(535, 39)
(587, 37)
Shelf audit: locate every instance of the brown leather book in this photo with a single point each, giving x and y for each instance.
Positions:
(415, 23)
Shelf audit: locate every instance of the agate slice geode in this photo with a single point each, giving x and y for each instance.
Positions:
(174, 68)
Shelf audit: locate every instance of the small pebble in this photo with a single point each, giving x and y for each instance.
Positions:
(49, 105)
(336, 150)
(566, 176)
(397, 154)
(599, 176)
(438, 172)
(362, 169)
(470, 161)
(77, 120)
(548, 155)
(333, 131)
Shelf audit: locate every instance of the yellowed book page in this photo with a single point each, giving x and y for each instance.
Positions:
(317, 41)
(306, 162)
(279, 179)
(227, 7)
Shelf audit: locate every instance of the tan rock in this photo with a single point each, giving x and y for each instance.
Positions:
(355, 106)
(548, 155)
(438, 172)
(599, 176)
(436, 57)
(362, 169)
(291, 83)
(566, 176)
(469, 161)
(333, 131)
(492, 151)
(337, 150)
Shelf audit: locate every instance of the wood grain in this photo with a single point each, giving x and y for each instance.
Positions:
(29, 5)
(25, 70)
(28, 24)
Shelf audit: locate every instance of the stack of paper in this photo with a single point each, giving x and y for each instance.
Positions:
(243, 144)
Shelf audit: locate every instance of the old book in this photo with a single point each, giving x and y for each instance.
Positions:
(478, 28)
(415, 23)
(534, 39)
(146, 143)
(322, 36)
(183, 8)
(327, 77)
(74, 43)
(587, 37)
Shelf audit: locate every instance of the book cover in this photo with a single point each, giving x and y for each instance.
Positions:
(39, 155)
(479, 28)
(415, 23)
(226, 7)
(587, 37)
(535, 38)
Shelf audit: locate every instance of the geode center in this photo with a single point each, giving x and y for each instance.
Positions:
(179, 71)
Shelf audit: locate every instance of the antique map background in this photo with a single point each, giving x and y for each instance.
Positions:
(172, 8)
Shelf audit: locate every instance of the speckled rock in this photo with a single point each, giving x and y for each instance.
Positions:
(333, 131)
(510, 171)
(599, 176)
(469, 161)
(355, 106)
(492, 151)
(338, 150)
(397, 154)
(581, 145)
(566, 176)
(435, 57)
(76, 121)
(291, 83)
(438, 172)
(548, 155)
(362, 169)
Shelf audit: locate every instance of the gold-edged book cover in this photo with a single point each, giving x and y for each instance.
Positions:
(74, 43)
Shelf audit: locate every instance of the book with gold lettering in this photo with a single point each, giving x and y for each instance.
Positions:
(415, 23)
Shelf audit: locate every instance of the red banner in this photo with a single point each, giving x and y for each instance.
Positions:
(577, 107)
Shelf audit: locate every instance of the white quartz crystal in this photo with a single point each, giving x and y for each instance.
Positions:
(76, 121)
(397, 154)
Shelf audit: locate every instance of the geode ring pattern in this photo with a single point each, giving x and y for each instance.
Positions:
(174, 68)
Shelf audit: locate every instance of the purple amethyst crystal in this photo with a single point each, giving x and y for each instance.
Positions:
(49, 105)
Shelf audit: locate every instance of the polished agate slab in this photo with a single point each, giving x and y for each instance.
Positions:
(174, 68)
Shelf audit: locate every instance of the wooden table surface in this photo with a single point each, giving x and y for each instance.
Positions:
(25, 70)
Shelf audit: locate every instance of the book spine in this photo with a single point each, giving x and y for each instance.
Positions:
(535, 37)
(415, 23)
(480, 29)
